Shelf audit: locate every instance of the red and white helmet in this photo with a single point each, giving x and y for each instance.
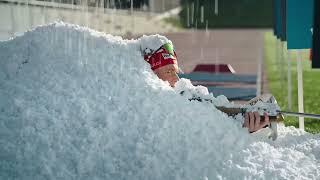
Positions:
(163, 56)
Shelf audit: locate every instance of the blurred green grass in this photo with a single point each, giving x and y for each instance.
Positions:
(277, 66)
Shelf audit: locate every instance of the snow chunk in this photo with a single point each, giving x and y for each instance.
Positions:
(187, 90)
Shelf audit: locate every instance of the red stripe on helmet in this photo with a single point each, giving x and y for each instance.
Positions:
(160, 58)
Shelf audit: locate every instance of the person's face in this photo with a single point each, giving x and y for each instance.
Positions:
(168, 73)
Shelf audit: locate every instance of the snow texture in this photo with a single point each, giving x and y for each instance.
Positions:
(80, 104)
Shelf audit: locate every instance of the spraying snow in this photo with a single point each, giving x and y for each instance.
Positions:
(80, 104)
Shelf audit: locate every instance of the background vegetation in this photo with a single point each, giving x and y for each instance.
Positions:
(231, 14)
(276, 64)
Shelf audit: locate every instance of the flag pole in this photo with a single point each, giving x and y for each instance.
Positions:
(300, 90)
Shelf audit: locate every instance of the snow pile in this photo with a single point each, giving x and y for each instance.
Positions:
(79, 104)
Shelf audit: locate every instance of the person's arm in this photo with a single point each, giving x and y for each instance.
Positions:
(253, 121)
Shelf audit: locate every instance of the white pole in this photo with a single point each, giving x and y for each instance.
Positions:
(282, 66)
(132, 16)
(279, 50)
(289, 83)
(188, 16)
(202, 14)
(300, 90)
(88, 24)
(163, 6)
(31, 16)
(282, 62)
(277, 57)
(259, 73)
(131, 6)
(151, 6)
(45, 15)
(192, 13)
(13, 22)
(216, 4)
(28, 14)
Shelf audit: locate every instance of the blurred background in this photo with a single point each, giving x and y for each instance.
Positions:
(123, 17)
(225, 45)
(118, 17)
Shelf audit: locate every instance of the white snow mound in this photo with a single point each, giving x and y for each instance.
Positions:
(79, 104)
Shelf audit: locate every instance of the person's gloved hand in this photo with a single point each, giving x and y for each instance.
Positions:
(254, 122)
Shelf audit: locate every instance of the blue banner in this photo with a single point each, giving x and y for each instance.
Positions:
(316, 36)
(299, 23)
(283, 8)
(274, 8)
(277, 15)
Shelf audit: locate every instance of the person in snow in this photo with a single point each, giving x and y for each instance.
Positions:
(163, 62)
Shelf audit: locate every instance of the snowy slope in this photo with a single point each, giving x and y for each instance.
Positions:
(79, 104)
